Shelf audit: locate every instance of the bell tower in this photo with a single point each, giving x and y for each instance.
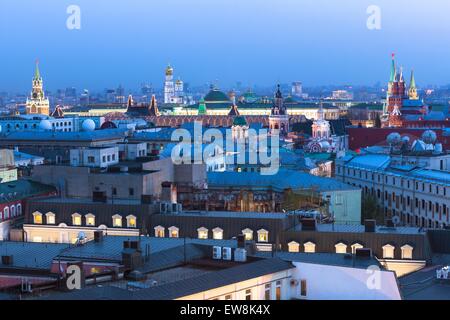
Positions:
(278, 119)
(37, 103)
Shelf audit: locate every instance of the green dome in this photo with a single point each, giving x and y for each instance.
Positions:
(239, 121)
(216, 96)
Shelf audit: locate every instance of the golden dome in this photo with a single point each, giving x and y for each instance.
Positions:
(169, 70)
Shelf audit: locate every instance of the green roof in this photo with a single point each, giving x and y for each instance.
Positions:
(216, 96)
(202, 107)
(22, 188)
(239, 121)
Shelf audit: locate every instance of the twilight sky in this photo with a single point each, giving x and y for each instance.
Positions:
(258, 42)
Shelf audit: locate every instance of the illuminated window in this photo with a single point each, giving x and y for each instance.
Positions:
(202, 233)
(267, 291)
(293, 246)
(159, 232)
(248, 233)
(217, 233)
(341, 247)
(117, 220)
(407, 251)
(310, 247)
(131, 221)
(388, 251)
(90, 220)
(50, 217)
(356, 246)
(173, 232)
(76, 219)
(263, 235)
(248, 294)
(37, 217)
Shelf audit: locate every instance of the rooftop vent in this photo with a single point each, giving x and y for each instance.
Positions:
(369, 225)
(364, 253)
(308, 224)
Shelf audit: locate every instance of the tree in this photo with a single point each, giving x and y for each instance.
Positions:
(371, 210)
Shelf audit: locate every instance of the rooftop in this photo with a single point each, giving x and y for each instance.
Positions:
(230, 214)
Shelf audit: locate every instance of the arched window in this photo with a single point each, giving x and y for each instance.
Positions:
(50, 218)
(117, 220)
(263, 235)
(174, 232)
(293, 246)
(248, 233)
(37, 217)
(310, 247)
(131, 221)
(90, 220)
(76, 219)
(407, 251)
(19, 209)
(388, 251)
(217, 233)
(341, 247)
(13, 211)
(202, 233)
(159, 232)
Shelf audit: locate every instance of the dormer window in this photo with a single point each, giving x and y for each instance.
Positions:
(174, 232)
(217, 233)
(159, 232)
(131, 221)
(341, 247)
(356, 246)
(50, 217)
(90, 220)
(202, 233)
(293, 246)
(407, 251)
(76, 219)
(117, 221)
(310, 247)
(37, 217)
(263, 235)
(388, 251)
(248, 233)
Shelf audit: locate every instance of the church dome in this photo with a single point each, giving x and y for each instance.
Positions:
(45, 125)
(216, 96)
(169, 71)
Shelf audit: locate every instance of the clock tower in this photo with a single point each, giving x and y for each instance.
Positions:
(37, 103)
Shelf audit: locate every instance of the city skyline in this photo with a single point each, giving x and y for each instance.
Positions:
(282, 42)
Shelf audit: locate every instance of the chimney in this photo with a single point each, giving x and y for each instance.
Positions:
(369, 225)
(169, 192)
(98, 236)
(241, 241)
(308, 224)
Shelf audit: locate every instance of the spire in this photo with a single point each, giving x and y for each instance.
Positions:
(153, 110)
(37, 74)
(393, 69)
(278, 93)
(401, 75)
(412, 84)
(130, 101)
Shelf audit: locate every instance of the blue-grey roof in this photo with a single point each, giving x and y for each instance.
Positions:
(31, 255)
(231, 214)
(284, 179)
(65, 136)
(330, 227)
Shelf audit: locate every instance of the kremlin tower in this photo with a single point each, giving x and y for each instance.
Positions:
(279, 119)
(37, 103)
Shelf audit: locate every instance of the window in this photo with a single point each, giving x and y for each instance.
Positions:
(19, 209)
(50, 216)
(293, 246)
(303, 288)
(267, 291)
(388, 251)
(202, 233)
(248, 294)
(341, 247)
(310, 247)
(160, 232)
(117, 220)
(13, 211)
(248, 233)
(90, 220)
(228, 297)
(217, 233)
(131, 221)
(37, 217)
(278, 290)
(131, 192)
(407, 251)
(356, 246)
(114, 191)
(76, 219)
(173, 232)
(6, 213)
(91, 159)
(263, 235)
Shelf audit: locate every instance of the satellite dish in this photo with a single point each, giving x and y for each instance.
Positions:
(395, 220)
(81, 235)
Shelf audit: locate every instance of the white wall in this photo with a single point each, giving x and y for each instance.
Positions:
(325, 282)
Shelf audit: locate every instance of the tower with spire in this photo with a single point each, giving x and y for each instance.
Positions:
(412, 91)
(169, 86)
(37, 103)
(278, 119)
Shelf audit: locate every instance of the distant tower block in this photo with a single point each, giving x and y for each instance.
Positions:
(37, 103)
(297, 89)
